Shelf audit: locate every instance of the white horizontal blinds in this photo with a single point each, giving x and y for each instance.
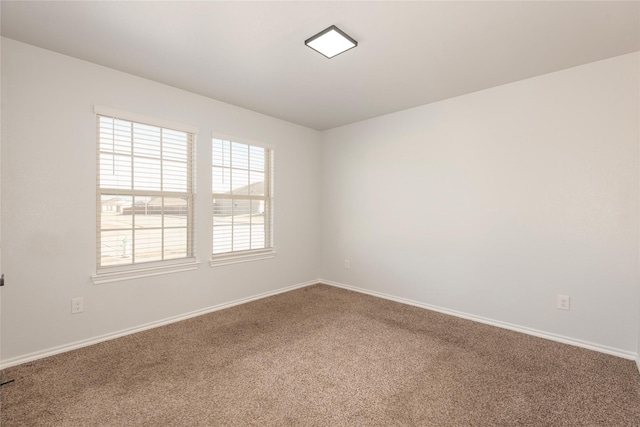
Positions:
(145, 193)
(242, 197)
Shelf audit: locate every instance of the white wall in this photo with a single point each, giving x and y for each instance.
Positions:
(48, 206)
(492, 203)
(489, 204)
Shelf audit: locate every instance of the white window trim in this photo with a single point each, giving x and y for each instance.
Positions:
(241, 140)
(218, 260)
(146, 269)
(141, 118)
(120, 273)
(238, 257)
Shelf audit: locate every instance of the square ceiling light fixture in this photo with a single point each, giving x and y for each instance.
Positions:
(331, 42)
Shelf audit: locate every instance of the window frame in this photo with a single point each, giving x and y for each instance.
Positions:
(111, 273)
(269, 251)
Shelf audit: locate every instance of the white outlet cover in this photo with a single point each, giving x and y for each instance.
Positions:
(564, 302)
(77, 305)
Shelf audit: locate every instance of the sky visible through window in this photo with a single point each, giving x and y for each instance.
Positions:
(145, 193)
(241, 199)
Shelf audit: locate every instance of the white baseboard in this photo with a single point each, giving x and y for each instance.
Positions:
(95, 340)
(529, 331)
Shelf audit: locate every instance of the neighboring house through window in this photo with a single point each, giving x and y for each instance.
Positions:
(242, 182)
(145, 206)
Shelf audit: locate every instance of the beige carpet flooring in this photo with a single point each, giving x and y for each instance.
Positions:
(323, 356)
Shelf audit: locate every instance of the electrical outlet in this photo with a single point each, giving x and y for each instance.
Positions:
(77, 305)
(564, 302)
(347, 264)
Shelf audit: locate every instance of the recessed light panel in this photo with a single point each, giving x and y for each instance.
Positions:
(331, 42)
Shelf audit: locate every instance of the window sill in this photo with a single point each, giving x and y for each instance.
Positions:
(237, 258)
(119, 274)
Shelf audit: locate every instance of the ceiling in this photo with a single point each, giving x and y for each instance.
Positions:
(252, 54)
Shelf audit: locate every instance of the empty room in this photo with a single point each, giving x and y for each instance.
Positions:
(385, 213)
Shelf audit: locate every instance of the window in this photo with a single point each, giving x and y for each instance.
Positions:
(145, 203)
(242, 182)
